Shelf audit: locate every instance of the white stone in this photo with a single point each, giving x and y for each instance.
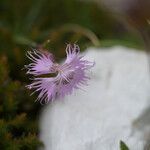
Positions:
(103, 113)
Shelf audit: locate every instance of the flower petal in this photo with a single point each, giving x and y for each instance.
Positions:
(46, 87)
(74, 69)
(72, 52)
(70, 75)
(42, 63)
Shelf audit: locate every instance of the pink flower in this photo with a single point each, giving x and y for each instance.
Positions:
(60, 79)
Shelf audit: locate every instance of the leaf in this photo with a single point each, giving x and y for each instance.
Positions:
(123, 146)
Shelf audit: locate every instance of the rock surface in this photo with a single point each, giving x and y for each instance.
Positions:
(110, 109)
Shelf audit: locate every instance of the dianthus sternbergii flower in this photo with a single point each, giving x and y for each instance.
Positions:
(54, 80)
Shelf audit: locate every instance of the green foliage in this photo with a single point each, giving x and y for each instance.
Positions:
(125, 42)
(123, 146)
(18, 130)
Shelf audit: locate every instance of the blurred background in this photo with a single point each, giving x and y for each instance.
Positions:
(48, 24)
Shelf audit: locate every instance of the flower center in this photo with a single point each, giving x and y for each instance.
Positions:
(65, 73)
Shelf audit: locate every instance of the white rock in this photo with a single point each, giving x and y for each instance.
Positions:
(103, 114)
